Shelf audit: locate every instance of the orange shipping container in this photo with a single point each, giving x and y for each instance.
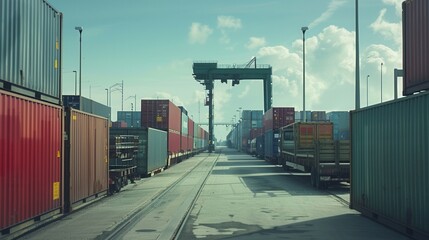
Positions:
(86, 157)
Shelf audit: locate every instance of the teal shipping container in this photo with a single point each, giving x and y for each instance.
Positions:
(152, 153)
(390, 164)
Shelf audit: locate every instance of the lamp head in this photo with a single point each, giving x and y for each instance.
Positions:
(304, 29)
(80, 29)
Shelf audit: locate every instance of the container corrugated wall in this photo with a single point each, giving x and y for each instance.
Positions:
(390, 162)
(30, 47)
(415, 20)
(86, 156)
(157, 149)
(30, 159)
(278, 117)
(87, 105)
(152, 153)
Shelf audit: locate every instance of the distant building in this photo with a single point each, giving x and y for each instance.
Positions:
(133, 119)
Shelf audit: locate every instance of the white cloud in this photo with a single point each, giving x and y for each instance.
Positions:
(333, 6)
(329, 68)
(255, 42)
(397, 4)
(245, 92)
(199, 33)
(388, 30)
(228, 22)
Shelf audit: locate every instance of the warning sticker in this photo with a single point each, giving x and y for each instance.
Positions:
(56, 190)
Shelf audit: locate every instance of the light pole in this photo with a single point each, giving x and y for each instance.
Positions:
(367, 89)
(107, 93)
(80, 29)
(303, 29)
(381, 82)
(357, 80)
(75, 82)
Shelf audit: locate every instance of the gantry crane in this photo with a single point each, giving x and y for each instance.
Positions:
(207, 72)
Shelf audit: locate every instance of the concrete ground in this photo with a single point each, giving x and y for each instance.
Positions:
(244, 198)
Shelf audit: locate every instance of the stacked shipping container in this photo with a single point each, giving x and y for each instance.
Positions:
(274, 119)
(85, 157)
(30, 159)
(415, 20)
(341, 121)
(131, 118)
(164, 115)
(30, 52)
(30, 130)
(86, 105)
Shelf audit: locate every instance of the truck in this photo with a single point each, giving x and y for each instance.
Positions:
(310, 147)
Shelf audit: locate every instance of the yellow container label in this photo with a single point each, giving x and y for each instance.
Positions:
(57, 45)
(58, 154)
(159, 119)
(56, 190)
(74, 117)
(56, 64)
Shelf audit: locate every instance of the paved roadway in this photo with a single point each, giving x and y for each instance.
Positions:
(242, 198)
(246, 198)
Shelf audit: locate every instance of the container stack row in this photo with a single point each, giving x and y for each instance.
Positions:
(184, 137)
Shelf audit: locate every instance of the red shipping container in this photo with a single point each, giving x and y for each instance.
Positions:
(278, 117)
(190, 143)
(191, 125)
(86, 157)
(30, 159)
(183, 143)
(173, 142)
(256, 132)
(160, 114)
(415, 34)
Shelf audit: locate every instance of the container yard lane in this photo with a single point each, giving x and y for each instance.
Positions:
(247, 198)
(226, 195)
(153, 208)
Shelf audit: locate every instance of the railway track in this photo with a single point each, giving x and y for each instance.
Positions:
(178, 219)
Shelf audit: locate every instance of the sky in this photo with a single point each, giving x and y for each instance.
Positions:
(151, 46)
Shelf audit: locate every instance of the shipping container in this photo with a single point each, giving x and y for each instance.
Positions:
(246, 115)
(271, 145)
(160, 114)
(299, 116)
(415, 34)
(260, 147)
(30, 49)
(87, 105)
(30, 160)
(132, 118)
(390, 163)
(341, 121)
(257, 115)
(152, 153)
(119, 124)
(173, 146)
(256, 132)
(278, 117)
(318, 116)
(191, 124)
(86, 153)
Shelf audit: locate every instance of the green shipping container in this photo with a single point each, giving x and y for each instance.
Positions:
(152, 154)
(390, 164)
